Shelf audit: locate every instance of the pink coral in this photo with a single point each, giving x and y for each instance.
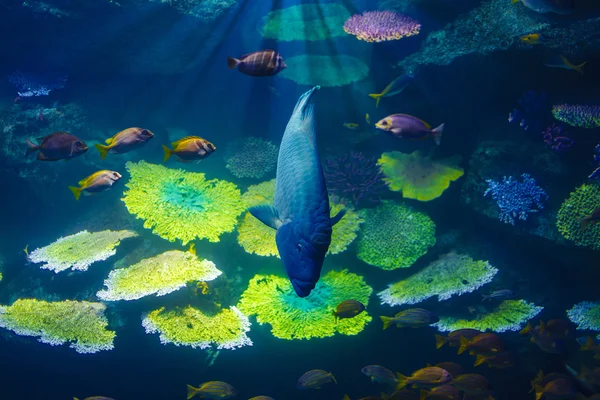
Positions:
(379, 26)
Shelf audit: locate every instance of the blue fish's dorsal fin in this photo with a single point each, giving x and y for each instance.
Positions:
(338, 217)
(266, 214)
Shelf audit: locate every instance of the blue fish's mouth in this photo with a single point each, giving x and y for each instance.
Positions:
(302, 288)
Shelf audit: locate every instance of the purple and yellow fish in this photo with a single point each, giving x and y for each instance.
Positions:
(212, 390)
(453, 368)
(315, 379)
(500, 360)
(95, 398)
(453, 338)
(444, 392)
(348, 309)
(428, 377)
(57, 146)
(543, 339)
(405, 126)
(125, 141)
(259, 63)
(380, 374)
(97, 182)
(189, 148)
(556, 389)
(472, 384)
(485, 343)
(411, 318)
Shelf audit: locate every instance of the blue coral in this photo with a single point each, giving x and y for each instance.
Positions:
(34, 86)
(516, 199)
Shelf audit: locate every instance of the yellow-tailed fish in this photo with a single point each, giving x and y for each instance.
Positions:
(315, 379)
(125, 141)
(562, 62)
(351, 125)
(189, 148)
(368, 119)
(533, 38)
(96, 183)
(393, 88)
(212, 390)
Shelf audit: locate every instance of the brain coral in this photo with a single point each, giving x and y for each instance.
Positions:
(586, 315)
(160, 275)
(419, 177)
(181, 205)
(510, 315)
(80, 322)
(189, 326)
(394, 236)
(305, 22)
(251, 157)
(80, 250)
(453, 274)
(580, 204)
(273, 300)
(257, 238)
(312, 70)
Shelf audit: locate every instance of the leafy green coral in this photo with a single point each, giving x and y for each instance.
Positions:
(257, 238)
(306, 22)
(273, 300)
(160, 275)
(80, 322)
(329, 71)
(453, 274)
(182, 205)
(394, 236)
(510, 315)
(189, 326)
(80, 250)
(580, 204)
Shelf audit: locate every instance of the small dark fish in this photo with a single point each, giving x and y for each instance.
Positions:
(380, 374)
(541, 379)
(190, 148)
(97, 182)
(212, 390)
(259, 63)
(544, 341)
(453, 368)
(411, 318)
(499, 360)
(444, 392)
(425, 378)
(405, 126)
(57, 146)
(472, 384)
(348, 309)
(590, 345)
(485, 343)
(498, 294)
(125, 141)
(592, 219)
(95, 398)
(315, 379)
(453, 338)
(589, 376)
(558, 389)
(558, 328)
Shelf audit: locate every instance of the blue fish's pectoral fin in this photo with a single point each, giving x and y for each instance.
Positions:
(338, 217)
(266, 214)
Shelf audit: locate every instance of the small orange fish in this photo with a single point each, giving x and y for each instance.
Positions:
(189, 148)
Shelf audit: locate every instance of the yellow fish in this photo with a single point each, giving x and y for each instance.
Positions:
(190, 148)
(562, 62)
(393, 88)
(351, 125)
(96, 183)
(368, 119)
(125, 141)
(533, 38)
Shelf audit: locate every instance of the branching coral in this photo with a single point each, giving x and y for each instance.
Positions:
(273, 300)
(80, 250)
(251, 157)
(419, 177)
(586, 315)
(516, 199)
(453, 274)
(189, 326)
(257, 238)
(160, 275)
(580, 204)
(510, 315)
(380, 26)
(312, 70)
(306, 22)
(394, 236)
(577, 115)
(80, 322)
(177, 204)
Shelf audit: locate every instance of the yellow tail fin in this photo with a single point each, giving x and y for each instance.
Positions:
(589, 344)
(76, 191)
(75, 398)
(423, 394)
(464, 345)
(579, 68)
(192, 391)
(439, 341)
(377, 97)
(402, 381)
(480, 359)
(168, 153)
(333, 377)
(526, 330)
(387, 321)
(102, 149)
(346, 397)
(539, 392)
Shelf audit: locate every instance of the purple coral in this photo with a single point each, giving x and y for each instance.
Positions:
(34, 86)
(355, 177)
(578, 116)
(516, 199)
(379, 26)
(557, 138)
(530, 111)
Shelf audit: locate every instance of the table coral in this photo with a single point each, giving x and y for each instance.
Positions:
(251, 157)
(419, 177)
(189, 326)
(380, 26)
(586, 315)
(305, 22)
(273, 301)
(453, 274)
(394, 236)
(580, 204)
(160, 275)
(80, 322)
(80, 250)
(328, 71)
(578, 116)
(182, 205)
(510, 315)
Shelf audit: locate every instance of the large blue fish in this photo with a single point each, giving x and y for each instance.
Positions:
(301, 208)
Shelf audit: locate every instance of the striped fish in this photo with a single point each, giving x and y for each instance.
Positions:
(259, 63)
(212, 390)
(315, 379)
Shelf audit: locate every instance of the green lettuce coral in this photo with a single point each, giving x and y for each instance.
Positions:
(510, 315)
(453, 274)
(273, 301)
(580, 204)
(329, 71)
(80, 322)
(182, 205)
(257, 238)
(306, 22)
(160, 275)
(80, 250)
(394, 236)
(189, 326)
